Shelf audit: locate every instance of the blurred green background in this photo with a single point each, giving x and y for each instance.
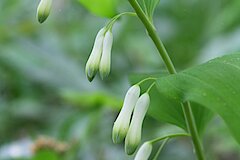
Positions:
(48, 109)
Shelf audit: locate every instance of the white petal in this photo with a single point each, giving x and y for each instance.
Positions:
(133, 137)
(95, 56)
(105, 63)
(121, 124)
(144, 152)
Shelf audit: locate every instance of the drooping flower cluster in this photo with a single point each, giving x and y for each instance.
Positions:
(136, 107)
(43, 10)
(100, 57)
(121, 124)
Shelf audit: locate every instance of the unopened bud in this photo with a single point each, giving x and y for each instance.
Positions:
(133, 137)
(105, 64)
(43, 10)
(93, 62)
(144, 152)
(121, 124)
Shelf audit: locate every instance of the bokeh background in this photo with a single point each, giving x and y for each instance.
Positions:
(48, 109)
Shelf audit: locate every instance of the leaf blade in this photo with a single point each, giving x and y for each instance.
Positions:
(213, 85)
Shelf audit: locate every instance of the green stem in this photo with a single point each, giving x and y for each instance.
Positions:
(149, 88)
(189, 118)
(191, 124)
(115, 18)
(160, 149)
(146, 79)
(169, 136)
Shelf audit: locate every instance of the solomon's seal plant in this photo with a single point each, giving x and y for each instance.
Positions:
(207, 85)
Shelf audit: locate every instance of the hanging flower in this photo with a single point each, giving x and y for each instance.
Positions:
(43, 10)
(121, 124)
(133, 137)
(144, 152)
(105, 64)
(93, 62)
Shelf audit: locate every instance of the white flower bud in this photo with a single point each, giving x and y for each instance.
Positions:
(43, 10)
(133, 137)
(93, 62)
(121, 124)
(144, 152)
(105, 64)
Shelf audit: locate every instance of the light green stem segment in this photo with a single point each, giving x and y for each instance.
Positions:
(115, 18)
(160, 149)
(168, 137)
(189, 118)
(146, 79)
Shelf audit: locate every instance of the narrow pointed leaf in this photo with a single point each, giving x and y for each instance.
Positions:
(149, 7)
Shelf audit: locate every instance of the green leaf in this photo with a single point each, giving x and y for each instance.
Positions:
(95, 99)
(149, 7)
(214, 85)
(167, 110)
(104, 8)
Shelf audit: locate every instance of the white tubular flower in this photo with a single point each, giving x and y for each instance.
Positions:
(43, 10)
(121, 124)
(93, 62)
(105, 64)
(133, 137)
(144, 152)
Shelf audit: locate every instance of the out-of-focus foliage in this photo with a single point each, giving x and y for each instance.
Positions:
(107, 8)
(43, 89)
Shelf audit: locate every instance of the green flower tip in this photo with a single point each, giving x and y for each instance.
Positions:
(117, 138)
(42, 18)
(104, 73)
(130, 149)
(90, 72)
(43, 10)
